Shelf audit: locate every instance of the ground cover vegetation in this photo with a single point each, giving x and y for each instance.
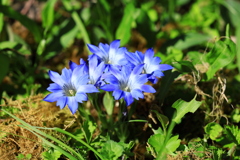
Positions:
(128, 79)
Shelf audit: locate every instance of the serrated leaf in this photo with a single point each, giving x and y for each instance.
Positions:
(124, 30)
(184, 107)
(88, 129)
(222, 53)
(111, 150)
(214, 130)
(233, 134)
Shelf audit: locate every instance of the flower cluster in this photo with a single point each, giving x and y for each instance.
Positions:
(110, 68)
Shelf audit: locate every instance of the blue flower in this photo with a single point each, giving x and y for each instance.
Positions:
(111, 55)
(70, 88)
(93, 68)
(127, 83)
(152, 66)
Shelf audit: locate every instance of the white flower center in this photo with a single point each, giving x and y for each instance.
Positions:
(69, 90)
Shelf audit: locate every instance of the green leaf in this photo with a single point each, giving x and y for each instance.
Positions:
(214, 130)
(222, 53)
(28, 156)
(184, 66)
(88, 128)
(3, 2)
(105, 5)
(48, 13)
(191, 39)
(1, 22)
(156, 141)
(14, 46)
(28, 23)
(184, 107)
(62, 38)
(108, 103)
(172, 144)
(233, 11)
(51, 155)
(124, 30)
(235, 115)
(162, 119)
(4, 67)
(111, 150)
(233, 134)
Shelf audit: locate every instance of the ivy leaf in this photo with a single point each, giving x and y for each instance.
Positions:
(184, 107)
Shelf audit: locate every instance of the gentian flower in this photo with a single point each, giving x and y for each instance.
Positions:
(70, 88)
(127, 83)
(93, 68)
(111, 55)
(152, 66)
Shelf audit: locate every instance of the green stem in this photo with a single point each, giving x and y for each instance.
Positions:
(168, 136)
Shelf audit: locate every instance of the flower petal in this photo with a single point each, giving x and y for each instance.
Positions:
(55, 77)
(164, 67)
(148, 56)
(128, 98)
(138, 69)
(79, 77)
(117, 94)
(114, 45)
(148, 88)
(72, 65)
(109, 87)
(61, 102)
(72, 104)
(66, 74)
(52, 97)
(81, 97)
(54, 87)
(137, 93)
(95, 50)
(87, 88)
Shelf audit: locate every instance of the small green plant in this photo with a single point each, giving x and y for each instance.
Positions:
(24, 157)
